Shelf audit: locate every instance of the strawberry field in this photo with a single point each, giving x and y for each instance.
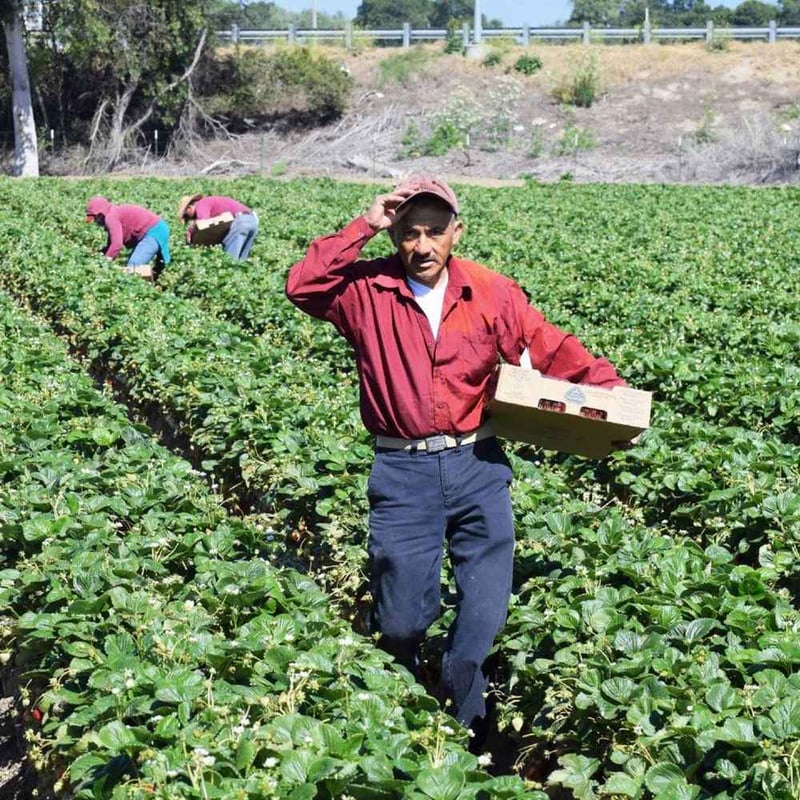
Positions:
(183, 511)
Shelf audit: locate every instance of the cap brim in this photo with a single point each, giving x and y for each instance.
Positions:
(435, 195)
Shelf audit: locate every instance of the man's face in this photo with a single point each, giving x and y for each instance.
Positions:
(424, 233)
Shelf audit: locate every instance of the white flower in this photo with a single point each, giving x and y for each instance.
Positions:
(447, 730)
(270, 762)
(485, 759)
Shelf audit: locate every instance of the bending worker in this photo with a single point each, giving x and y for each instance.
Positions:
(428, 330)
(242, 233)
(131, 226)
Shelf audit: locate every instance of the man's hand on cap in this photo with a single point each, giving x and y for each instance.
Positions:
(381, 213)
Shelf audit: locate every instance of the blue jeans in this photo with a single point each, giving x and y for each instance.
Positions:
(240, 236)
(154, 244)
(420, 502)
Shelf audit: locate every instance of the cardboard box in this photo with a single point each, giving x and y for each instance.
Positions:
(212, 230)
(525, 406)
(144, 271)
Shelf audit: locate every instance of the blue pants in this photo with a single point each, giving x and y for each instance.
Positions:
(420, 502)
(240, 236)
(154, 244)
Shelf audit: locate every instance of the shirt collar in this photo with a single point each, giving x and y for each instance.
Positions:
(458, 282)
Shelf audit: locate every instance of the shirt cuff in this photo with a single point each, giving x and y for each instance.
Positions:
(359, 229)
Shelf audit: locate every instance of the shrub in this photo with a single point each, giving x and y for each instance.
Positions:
(582, 84)
(455, 38)
(296, 83)
(492, 58)
(528, 64)
(573, 141)
(718, 44)
(400, 67)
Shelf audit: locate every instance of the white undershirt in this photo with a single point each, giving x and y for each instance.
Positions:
(430, 300)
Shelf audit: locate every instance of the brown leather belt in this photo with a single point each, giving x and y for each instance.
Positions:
(434, 444)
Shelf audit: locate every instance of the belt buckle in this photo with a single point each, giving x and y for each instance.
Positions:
(435, 444)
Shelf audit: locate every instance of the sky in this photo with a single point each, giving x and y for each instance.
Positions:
(513, 13)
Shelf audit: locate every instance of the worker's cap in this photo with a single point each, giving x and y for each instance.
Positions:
(96, 205)
(427, 185)
(185, 202)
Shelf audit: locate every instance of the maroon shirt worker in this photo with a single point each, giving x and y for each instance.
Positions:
(428, 330)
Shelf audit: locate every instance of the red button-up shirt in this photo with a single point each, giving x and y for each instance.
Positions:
(411, 385)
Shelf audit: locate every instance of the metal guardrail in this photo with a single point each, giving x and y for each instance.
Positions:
(585, 34)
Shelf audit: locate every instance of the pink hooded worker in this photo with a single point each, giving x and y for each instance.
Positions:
(131, 226)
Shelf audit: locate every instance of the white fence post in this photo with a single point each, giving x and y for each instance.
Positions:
(646, 32)
(348, 35)
(291, 34)
(586, 34)
(773, 32)
(709, 31)
(234, 33)
(526, 35)
(406, 35)
(465, 35)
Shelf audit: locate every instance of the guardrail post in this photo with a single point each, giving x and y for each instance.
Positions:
(586, 33)
(773, 31)
(526, 35)
(234, 33)
(465, 35)
(709, 31)
(646, 32)
(406, 35)
(348, 35)
(291, 35)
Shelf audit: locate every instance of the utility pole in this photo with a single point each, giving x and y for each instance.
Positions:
(313, 14)
(475, 47)
(478, 24)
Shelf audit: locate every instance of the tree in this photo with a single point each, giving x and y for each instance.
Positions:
(393, 13)
(595, 12)
(446, 12)
(789, 12)
(26, 151)
(754, 13)
(135, 58)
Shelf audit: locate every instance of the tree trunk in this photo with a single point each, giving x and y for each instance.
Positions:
(25, 144)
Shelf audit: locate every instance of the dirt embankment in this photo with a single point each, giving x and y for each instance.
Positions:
(674, 113)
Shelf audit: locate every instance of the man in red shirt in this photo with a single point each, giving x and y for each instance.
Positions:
(239, 239)
(428, 330)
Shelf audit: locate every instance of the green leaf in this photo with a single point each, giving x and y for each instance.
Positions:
(116, 737)
(737, 730)
(620, 690)
(620, 783)
(662, 776)
(442, 783)
(576, 774)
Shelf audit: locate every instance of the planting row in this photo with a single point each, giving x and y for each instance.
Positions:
(715, 505)
(157, 654)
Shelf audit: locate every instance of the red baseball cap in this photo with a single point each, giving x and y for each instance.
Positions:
(428, 184)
